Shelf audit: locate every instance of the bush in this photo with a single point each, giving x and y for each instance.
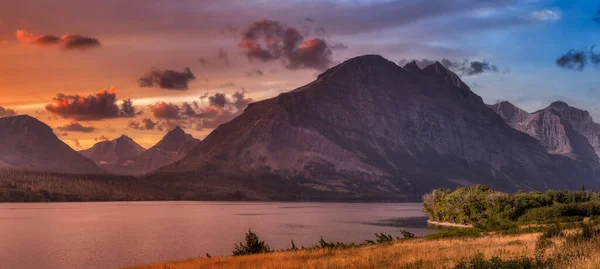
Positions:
(553, 231)
(252, 246)
(487, 209)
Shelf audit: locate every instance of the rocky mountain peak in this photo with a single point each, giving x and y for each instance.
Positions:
(171, 148)
(358, 66)
(509, 112)
(119, 150)
(175, 140)
(443, 74)
(412, 67)
(559, 104)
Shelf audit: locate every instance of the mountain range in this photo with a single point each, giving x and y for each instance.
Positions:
(364, 129)
(123, 156)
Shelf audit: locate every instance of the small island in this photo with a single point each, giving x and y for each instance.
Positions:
(555, 229)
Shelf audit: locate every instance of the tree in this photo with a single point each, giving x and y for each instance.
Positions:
(252, 246)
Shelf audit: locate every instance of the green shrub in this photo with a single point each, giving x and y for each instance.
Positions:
(490, 210)
(252, 246)
(553, 231)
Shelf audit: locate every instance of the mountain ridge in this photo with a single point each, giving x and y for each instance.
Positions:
(369, 127)
(123, 156)
(30, 145)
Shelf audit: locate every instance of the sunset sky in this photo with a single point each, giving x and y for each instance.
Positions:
(71, 63)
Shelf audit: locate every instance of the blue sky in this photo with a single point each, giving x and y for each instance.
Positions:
(530, 52)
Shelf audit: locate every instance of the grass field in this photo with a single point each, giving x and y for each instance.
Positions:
(413, 253)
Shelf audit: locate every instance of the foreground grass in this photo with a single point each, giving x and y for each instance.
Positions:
(414, 253)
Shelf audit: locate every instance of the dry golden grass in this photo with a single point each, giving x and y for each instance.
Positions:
(417, 253)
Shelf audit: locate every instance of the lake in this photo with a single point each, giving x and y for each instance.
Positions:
(112, 235)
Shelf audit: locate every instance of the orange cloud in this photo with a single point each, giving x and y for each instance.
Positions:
(268, 40)
(101, 105)
(164, 110)
(67, 42)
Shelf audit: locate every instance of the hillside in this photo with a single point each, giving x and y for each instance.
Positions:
(27, 144)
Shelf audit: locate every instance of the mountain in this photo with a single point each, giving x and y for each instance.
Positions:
(28, 144)
(581, 121)
(173, 147)
(113, 154)
(116, 151)
(550, 127)
(123, 156)
(369, 129)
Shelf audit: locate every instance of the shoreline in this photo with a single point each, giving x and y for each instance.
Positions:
(449, 224)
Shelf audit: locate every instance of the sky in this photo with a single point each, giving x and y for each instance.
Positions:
(94, 70)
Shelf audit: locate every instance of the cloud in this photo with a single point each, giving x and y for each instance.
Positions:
(477, 67)
(223, 86)
(221, 109)
(578, 59)
(213, 115)
(240, 101)
(167, 125)
(464, 68)
(339, 46)
(163, 110)
(128, 110)
(546, 15)
(254, 72)
(219, 100)
(167, 79)
(102, 105)
(67, 42)
(145, 124)
(76, 127)
(101, 138)
(223, 56)
(76, 141)
(7, 112)
(420, 63)
(573, 59)
(203, 61)
(268, 40)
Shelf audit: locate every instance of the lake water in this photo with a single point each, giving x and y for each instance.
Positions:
(112, 235)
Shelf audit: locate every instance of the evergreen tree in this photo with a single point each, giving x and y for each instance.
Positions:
(252, 246)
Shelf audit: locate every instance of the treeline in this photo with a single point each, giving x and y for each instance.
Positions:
(485, 208)
(23, 186)
(18, 186)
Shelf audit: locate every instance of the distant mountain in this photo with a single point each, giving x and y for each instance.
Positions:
(369, 129)
(173, 147)
(551, 128)
(123, 156)
(28, 144)
(119, 151)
